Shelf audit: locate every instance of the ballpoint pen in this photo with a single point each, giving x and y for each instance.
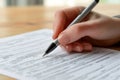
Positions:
(82, 15)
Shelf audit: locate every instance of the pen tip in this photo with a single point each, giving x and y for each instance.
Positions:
(50, 48)
(44, 55)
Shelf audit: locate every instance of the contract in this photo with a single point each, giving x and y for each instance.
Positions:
(21, 58)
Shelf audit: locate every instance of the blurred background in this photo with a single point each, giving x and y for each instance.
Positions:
(6, 3)
(18, 16)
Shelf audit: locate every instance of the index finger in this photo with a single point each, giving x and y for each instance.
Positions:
(63, 18)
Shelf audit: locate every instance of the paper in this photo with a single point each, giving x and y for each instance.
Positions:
(21, 58)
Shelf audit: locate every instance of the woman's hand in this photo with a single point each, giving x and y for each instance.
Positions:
(94, 30)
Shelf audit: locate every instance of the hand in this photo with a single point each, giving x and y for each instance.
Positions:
(94, 30)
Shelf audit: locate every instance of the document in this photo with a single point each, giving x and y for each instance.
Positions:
(21, 58)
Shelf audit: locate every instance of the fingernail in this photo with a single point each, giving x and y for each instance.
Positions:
(68, 48)
(78, 49)
(54, 36)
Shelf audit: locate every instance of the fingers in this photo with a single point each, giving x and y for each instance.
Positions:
(59, 24)
(78, 47)
(63, 18)
(75, 32)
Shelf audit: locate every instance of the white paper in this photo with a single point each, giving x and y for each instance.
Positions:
(21, 58)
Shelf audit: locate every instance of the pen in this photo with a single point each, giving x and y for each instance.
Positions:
(82, 15)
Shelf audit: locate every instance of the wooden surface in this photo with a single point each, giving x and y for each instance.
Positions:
(17, 20)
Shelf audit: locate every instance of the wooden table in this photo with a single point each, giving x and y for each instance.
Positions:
(17, 20)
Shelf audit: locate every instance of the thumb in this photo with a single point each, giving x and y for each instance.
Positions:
(75, 32)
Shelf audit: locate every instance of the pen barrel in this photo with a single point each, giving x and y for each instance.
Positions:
(84, 13)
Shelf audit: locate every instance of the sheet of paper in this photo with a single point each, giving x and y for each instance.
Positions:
(21, 58)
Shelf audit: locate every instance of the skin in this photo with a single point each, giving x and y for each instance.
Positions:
(94, 30)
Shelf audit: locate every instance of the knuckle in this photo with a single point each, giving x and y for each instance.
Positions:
(79, 29)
